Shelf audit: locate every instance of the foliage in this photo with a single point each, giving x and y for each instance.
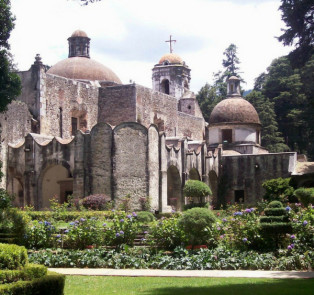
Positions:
(125, 204)
(166, 234)
(145, 217)
(305, 195)
(145, 203)
(298, 17)
(95, 202)
(196, 189)
(197, 224)
(12, 256)
(27, 273)
(51, 284)
(275, 204)
(231, 62)
(5, 199)
(39, 234)
(277, 189)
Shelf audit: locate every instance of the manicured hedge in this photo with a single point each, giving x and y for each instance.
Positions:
(12, 256)
(274, 219)
(51, 284)
(145, 217)
(276, 228)
(29, 272)
(275, 211)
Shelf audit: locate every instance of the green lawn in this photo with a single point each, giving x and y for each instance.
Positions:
(92, 285)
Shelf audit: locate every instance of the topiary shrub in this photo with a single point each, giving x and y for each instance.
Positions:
(145, 217)
(305, 195)
(5, 199)
(95, 202)
(196, 224)
(196, 189)
(12, 256)
(278, 189)
(276, 224)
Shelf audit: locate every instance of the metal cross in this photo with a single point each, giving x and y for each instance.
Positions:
(170, 41)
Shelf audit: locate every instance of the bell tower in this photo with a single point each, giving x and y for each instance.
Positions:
(79, 44)
(171, 75)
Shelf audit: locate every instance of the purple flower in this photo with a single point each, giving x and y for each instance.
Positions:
(252, 209)
(292, 245)
(47, 223)
(72, 223)
(129, 216)
(82, 219)
(288, 208)
(173, 211)
(218, 228)
(244, 240)
(66, 231)
(248, 210)
(134, 214)
(40, 222)
(122, 220)
(112, 210)
(292, 236)
(105, 224)
(143, 239)
(117, 235)
(305, 222)
(238, 213)
(289, 247)
(121, 232)
(58, 236)
(297, 204)
(222, 236)
(145, 232)
(224, 220)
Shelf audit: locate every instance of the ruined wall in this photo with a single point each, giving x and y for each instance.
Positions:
(63, 99)
(130, 163)
(190, 126)
(101, 165)
(248, 172)
(117, 104)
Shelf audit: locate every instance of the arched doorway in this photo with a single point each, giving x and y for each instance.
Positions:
(56, 183)
(213, 184)
(194, 175)
(165, 86)
(174, 189)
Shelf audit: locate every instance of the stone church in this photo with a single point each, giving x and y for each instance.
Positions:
(76, 129)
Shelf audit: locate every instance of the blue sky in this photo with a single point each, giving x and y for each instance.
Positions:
(129, 36)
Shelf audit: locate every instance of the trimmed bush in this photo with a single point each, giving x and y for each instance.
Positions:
(275, 204)
(51, 284)
(195, 205)
(12, 256)
(95, 202)
(269, 219)
(278, 189)
(145, 217)
(305, 195)
(29, 272)
(275, 211)
(196, 223)
(196, 189)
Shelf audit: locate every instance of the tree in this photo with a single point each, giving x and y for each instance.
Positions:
(10, 84)
(298, 16)
(231, 62)
(272, 139)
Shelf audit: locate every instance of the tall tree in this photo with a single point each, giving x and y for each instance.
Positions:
(298, 16)
(231, 62)
(10, 85)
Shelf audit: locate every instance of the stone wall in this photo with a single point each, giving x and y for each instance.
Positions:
(117, 104)
(248, 172)
(190, 126)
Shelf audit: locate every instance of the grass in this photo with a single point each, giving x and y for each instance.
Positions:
(93, 285)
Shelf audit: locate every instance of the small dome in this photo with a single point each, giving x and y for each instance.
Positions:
(234, 110)
(82, 68)
(79, 33)
(171, 58)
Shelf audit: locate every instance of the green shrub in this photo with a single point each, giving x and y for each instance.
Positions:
(145, 217)
(95, 202)
(278, 189)
(51, 284)
(275, 211)
(196, 223)
(5, 199)
(269, 219)
(27, 273)
(305, 196)
(195, 205)
(196, 189)
(275, 204)
(12, 256)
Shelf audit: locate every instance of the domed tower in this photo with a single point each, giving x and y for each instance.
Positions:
(234, 122)
(171, 75)
(79, 65)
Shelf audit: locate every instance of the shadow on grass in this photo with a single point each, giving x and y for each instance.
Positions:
(271, 287)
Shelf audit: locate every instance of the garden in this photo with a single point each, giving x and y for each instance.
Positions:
(275, 234)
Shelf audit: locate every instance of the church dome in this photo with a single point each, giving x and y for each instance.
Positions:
(234, 110)
(82, 68)
(171, 58)
(79, 66)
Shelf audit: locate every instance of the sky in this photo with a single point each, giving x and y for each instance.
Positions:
(128, 36)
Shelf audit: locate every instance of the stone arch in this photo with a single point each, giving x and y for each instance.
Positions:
(174, 188)
(165, 86)
(213, 184)
(16, 188)
(55, 180)
(194, 174)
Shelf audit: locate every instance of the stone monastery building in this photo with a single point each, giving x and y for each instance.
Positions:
(77, 130)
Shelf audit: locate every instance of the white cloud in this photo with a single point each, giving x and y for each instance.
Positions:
(129, 35)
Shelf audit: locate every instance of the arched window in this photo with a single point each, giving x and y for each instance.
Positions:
(165, 86)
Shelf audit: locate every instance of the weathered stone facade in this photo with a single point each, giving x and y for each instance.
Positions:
(78, 136)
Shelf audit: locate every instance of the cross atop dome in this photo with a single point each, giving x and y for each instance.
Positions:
(170, 43)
